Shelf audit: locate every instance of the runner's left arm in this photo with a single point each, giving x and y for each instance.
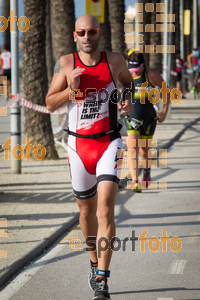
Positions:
(128, 87)
(156, 80)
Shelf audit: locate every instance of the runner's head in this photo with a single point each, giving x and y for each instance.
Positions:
(87, 33)
(136, 62)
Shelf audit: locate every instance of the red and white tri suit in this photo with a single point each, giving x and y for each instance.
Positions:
(93, 160)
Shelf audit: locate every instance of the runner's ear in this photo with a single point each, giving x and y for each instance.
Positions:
(74, 34)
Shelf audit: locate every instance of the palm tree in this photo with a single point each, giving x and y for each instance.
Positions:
(7, 31)
(37, 126)
(116, 17)
(175, 41)
(146, 20)
(49, 50)
(63, 21)
(155, 61)
(105, 44)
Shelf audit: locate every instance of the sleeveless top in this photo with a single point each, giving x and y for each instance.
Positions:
(142, 111)
(97, 110)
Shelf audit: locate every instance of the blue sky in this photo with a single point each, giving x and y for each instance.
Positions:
(79, 10)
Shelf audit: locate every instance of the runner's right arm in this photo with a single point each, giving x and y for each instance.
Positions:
(64, 76)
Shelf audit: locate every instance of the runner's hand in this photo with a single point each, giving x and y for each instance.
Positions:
(161, 117)
(126, 107)
(75, 77)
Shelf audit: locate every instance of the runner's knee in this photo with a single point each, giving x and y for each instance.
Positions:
(105, 214)
(87, 212)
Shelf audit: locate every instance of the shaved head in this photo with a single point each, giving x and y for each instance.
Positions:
(88, 43)
(87, 20)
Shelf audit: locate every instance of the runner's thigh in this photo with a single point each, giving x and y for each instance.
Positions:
(83, 183)
(107, 165)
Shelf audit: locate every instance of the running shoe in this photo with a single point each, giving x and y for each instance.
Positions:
(101, 290)
(92, 277)
(136, 187)
(146, 177)
(123, 183)
(192, 90)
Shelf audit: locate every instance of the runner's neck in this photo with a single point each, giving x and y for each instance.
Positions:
(90, 59)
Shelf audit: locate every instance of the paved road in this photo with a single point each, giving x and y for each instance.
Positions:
(62, 273)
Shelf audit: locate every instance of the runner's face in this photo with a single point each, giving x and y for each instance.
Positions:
(87, 43)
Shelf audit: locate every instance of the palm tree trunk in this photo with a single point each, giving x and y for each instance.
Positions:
(146, 20)
(116, 17)
(63, 20)
(49, 51)
(175, 41)
(105, 44)
(155, 61)
(37, 126)
(7, 31)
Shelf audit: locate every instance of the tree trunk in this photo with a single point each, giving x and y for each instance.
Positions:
(37, 126)
(49, 51)
(7, 31)
(63, 20)
(198, 23)
(155, 59)
(116, 17)
(105, 44)
(146, 37)
(175, 41)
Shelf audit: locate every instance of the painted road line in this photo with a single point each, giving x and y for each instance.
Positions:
(29, 272)
(71, 234)
(36, 195)
(165, 298)
(193, 238)
(24, 198)
(177, 267)
(55, 196)
(62, 198)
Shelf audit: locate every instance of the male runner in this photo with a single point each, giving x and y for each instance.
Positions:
(93, 135)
